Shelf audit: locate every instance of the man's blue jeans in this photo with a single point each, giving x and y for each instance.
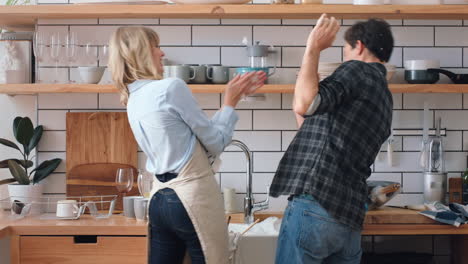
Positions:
(310, 235)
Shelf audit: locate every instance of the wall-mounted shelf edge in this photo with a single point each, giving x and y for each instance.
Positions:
(24, 89)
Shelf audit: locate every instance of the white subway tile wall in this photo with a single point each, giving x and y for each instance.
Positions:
(268, 127)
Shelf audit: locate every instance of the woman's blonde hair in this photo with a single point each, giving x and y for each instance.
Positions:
(131, 57)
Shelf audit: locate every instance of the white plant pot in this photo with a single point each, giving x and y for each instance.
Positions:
(27, 194)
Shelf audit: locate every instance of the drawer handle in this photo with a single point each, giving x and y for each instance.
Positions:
(85, 239)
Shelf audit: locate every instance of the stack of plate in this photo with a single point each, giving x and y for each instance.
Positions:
(326, 69)
(391, 69)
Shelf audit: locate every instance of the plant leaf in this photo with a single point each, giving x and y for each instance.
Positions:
(27, 164)
(18, 173)
(6, 181)
(8, 143)
(45, 169)
(25, 133)
(15, 125)
(36, 137)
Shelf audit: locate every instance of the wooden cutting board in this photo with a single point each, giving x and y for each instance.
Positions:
(103, 141)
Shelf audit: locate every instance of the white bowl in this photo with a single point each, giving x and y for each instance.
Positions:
(91, 75)
(421, 64)
(368, 2)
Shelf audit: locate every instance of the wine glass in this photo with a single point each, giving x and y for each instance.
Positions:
(124, 180)
(103, 55)
(90, 53)
(145, 183)
(70, 49)
(39, 51)
(55, 50)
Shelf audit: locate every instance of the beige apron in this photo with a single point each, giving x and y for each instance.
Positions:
(199, 192)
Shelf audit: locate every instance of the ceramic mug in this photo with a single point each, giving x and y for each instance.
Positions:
(67, 208)
(128, 206)
(183, 72)
(218, 74)
(140, 206)
(200, 73)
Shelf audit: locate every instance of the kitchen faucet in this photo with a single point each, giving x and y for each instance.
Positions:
(249, 206)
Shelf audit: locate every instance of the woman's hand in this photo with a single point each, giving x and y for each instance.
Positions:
(243, 85)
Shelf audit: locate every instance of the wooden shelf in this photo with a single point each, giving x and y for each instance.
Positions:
(24, 17)
(21, 89)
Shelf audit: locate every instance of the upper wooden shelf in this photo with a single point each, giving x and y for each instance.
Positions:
(18, 89)
(17, 17)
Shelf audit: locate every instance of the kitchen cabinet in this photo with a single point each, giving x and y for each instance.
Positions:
(123, 240)
(87, 240)
(82, 249)
(17, 89)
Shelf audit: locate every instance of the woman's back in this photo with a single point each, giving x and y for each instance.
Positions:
(157, 123)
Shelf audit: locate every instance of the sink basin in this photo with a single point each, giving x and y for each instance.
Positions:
(256, 246)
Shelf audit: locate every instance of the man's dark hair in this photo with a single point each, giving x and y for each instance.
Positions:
(375, 34)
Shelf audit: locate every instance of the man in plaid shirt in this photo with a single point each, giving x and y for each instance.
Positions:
(343, 121)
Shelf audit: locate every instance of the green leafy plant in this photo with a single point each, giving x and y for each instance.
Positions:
(28, 137)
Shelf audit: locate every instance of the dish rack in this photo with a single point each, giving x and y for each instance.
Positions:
(99, 206)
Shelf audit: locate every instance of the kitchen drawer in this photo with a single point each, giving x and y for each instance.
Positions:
(83, 249)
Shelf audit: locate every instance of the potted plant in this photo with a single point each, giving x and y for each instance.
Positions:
(27, 179)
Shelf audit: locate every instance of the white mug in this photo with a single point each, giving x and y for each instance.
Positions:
(141, 207)
(67, 208)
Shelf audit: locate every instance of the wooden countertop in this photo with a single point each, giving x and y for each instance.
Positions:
(86, 225)
(385, 221)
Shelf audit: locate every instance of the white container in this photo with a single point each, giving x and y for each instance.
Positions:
(67, 208)
(140, 206)
(413, 65)
(416, 2)
(368, 2)
(26, 194)
(91, 74)
(229, 195)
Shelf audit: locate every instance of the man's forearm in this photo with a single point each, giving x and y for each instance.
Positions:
(307, 81)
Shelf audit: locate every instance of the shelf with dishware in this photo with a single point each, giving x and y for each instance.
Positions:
(25, 89)
(25, 17)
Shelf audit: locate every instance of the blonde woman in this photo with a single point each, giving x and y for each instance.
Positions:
(186, 210)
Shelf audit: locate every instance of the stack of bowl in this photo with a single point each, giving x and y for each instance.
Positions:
(391, 69)
(326, 69)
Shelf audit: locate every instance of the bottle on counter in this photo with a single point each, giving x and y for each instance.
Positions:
(465, 188)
